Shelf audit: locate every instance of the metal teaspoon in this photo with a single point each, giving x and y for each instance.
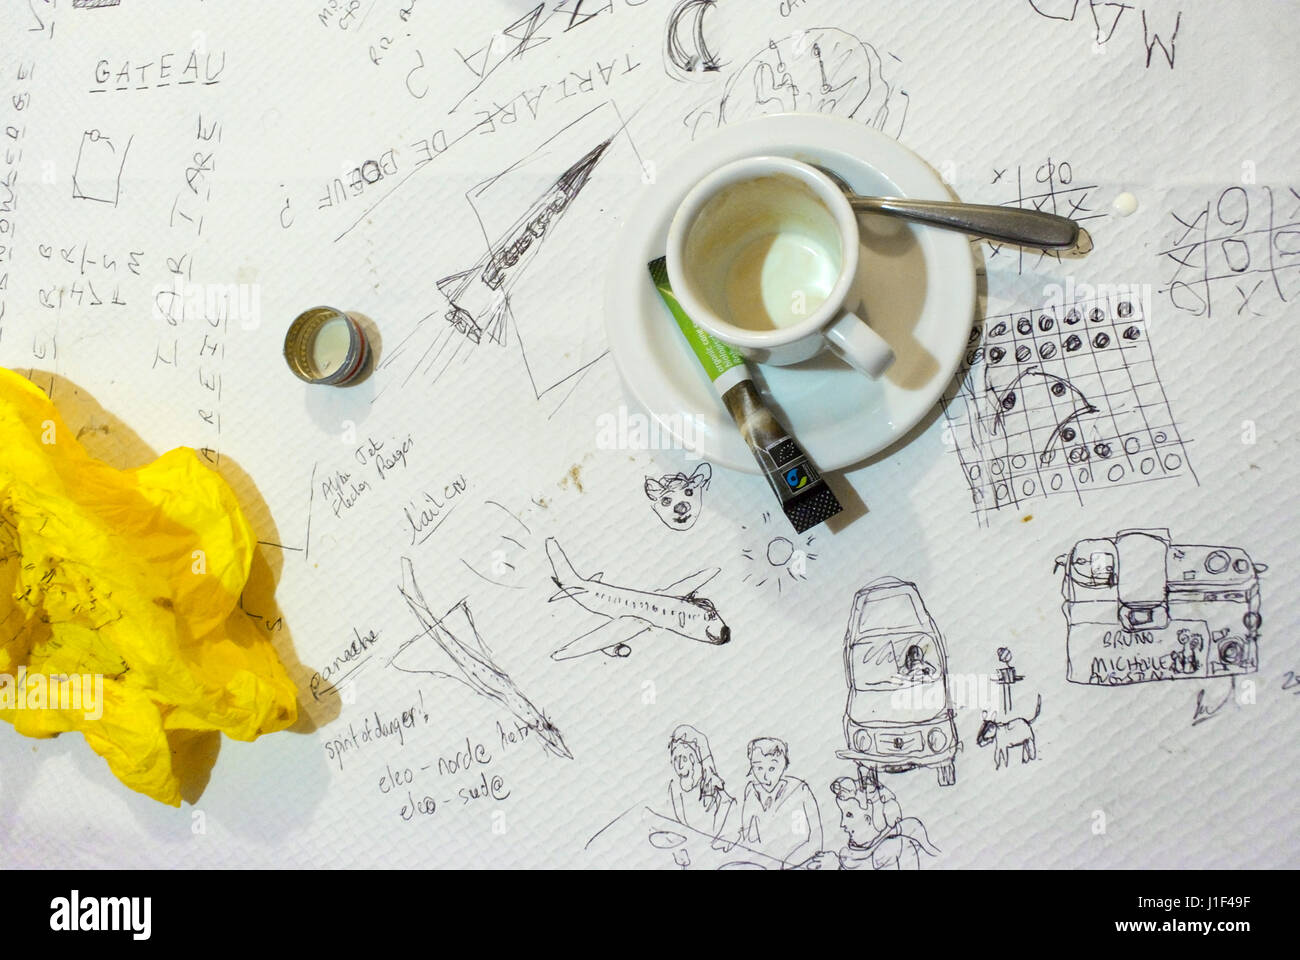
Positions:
(1030, 228)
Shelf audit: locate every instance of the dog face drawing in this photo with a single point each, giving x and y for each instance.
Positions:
(677, 499)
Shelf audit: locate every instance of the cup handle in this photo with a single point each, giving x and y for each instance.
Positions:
(859, 346)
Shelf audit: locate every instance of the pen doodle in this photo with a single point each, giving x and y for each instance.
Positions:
(677, 499)
(822, 70)
(778, 811)
(1061, 401)
(898, 717)
(684, 847)
(629, 613)
(486, 303)
(775, 825)
(513, 541)
(1106, 16)
(899, 714)
(774, 560)
(689, 60)
(1054, 189)
(1248, 239)
(780, 825)
(511, 42)
(1006, 677)
(1016, 732)
(1202, 712)
(879, 836)
(97, 172)
(474, 663)
(480, 296)
(697, 795)
(1139, 607)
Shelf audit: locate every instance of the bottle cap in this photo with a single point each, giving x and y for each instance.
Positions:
(326, 346)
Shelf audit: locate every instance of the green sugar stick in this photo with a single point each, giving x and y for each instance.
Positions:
(804, 495)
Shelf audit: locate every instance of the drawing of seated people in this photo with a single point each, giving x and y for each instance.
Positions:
(778, 813)
(880, 837)
(697, 793)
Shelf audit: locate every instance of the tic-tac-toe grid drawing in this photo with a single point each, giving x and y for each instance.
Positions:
(1064, 400)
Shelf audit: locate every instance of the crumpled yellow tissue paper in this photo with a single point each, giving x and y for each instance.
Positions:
(133, 576)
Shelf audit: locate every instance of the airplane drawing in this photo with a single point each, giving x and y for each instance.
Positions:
(629, 613)
(479, 298)
(495, 299)
(458, 638)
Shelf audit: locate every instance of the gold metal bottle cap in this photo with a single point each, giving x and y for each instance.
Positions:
(326, 346)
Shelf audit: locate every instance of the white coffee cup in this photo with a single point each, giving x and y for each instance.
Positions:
(762, 254)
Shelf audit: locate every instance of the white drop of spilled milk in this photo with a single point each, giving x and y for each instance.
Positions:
(778, 280)
(330, 348)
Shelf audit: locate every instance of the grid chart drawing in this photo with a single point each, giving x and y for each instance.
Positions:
(1052, 187)
(1064, 400)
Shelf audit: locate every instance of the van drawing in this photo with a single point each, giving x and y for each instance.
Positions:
(1139, 607)
(899, 714)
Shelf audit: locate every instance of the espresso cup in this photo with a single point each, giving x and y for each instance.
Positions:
(762, 254)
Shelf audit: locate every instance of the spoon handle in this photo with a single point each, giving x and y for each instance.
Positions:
(1030, 228)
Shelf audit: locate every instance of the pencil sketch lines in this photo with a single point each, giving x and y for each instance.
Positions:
(97, 172)
(775, 560)
(480, 296)
(1063, 400)
(1105, 17)
(677, 499)
(1054, 189)
(1240, 237)
(481, 304)
(689, 60)
(1139, 607)
(511, 544)
(474, 663)
(1003, 735)
(629, 613)
(822, 70)
(522, 35)
(899, 713)
(879, 836)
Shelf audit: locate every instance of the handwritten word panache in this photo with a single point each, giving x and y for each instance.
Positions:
(353, 656)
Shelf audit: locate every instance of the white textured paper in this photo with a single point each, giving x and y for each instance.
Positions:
(465, 119)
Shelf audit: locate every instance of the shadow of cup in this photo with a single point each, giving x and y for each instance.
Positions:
(890, 293)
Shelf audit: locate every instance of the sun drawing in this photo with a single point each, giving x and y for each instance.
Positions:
(771, 560)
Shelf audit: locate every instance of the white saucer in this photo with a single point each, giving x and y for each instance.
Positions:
(917, 284)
